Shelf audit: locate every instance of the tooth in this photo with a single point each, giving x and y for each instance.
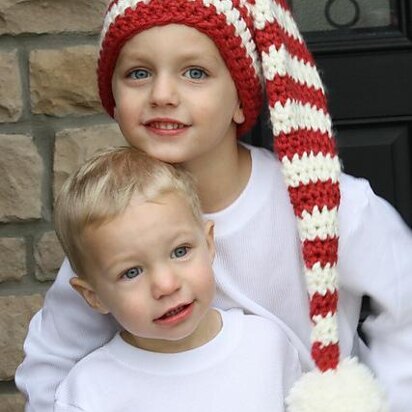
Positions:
(167, 126)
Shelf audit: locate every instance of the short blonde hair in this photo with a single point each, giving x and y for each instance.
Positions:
(102, 189)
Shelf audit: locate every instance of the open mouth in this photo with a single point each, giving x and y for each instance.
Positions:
(174, 312)
(166, 126)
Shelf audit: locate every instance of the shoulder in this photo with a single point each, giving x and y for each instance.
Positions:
(268, 327)
(356, 190)
(361, 209)
(266, 333)
(86, 373)
(356, 196)
(87, 367)
(352, 188)
(269, 343)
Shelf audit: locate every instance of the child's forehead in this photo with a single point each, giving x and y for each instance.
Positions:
(172, 203)
(144, 209)
(190, 41)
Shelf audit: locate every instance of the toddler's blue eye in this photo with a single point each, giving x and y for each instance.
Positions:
(179, 252)
(138, 74)
(195, 74)
(132, 272)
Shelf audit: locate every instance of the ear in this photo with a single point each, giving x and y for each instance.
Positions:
(210, 238)
(88, 293)
(238, 115)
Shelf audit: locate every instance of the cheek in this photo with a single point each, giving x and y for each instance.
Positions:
(128, 100)
(130, 312)
(120, 300)
(206, 281)
(124, 111)
(228, 109)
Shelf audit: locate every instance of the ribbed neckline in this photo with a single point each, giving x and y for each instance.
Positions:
(188, 362)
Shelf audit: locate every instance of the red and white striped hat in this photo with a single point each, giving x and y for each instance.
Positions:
(266, 55)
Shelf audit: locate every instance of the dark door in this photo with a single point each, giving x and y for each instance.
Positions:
(363, 49)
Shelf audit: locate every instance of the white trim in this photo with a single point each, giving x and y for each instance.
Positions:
(320, 224)
(117, 9)
(325, 329)
(321, 280)
(267, 11)
(281, 63)
(310, 168)
(295, 115)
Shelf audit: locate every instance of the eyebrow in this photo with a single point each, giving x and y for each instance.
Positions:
(185, 56)
(194, 55)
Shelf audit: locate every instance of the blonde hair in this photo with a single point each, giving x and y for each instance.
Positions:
(102, 189)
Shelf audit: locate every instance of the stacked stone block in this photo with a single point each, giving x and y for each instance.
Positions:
(50, 122)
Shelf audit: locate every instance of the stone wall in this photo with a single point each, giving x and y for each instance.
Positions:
(50, 121)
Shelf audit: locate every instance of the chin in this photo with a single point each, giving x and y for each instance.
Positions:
(167, 157)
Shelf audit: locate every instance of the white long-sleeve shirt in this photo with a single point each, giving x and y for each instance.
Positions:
(259, 268)
(249, 366)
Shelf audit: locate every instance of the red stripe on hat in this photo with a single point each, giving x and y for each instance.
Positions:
(304, 141)
(284, 88)
(325, 357)
(320, 194)
(322, 251)
(274, 35)
(323, 305)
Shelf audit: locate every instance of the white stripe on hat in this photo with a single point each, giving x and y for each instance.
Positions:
(325, 329)
(233, 17)
(117, 9)
(310, 168)
(321, 280)
(281, 63)
(295, 115)
(268, 11)
(320, 224)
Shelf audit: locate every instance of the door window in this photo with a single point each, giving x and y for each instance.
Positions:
(332, 15)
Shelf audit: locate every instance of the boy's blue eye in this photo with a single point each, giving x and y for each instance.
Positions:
(132, 272)
(139, 74)
(180, 252)
(195, 73)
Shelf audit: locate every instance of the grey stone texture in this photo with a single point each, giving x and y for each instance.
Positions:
(21, 171)
(12, 259)
(11, 103)
(15, 314)
(63, 81)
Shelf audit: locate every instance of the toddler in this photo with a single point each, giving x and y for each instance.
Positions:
(132, 229)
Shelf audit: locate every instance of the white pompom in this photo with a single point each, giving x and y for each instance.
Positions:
(349, 388)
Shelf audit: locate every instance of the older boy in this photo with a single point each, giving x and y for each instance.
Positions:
(133, 231)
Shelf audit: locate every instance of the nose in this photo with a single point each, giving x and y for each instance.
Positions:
(164, 91)
(164, 282)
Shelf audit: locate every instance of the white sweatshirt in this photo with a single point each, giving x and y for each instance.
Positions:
(249, 366)
(259, 268)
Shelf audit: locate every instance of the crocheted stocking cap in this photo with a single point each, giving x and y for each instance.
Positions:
(265, 54)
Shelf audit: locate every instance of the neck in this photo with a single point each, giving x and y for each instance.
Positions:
(222, 177)
(208, 329)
